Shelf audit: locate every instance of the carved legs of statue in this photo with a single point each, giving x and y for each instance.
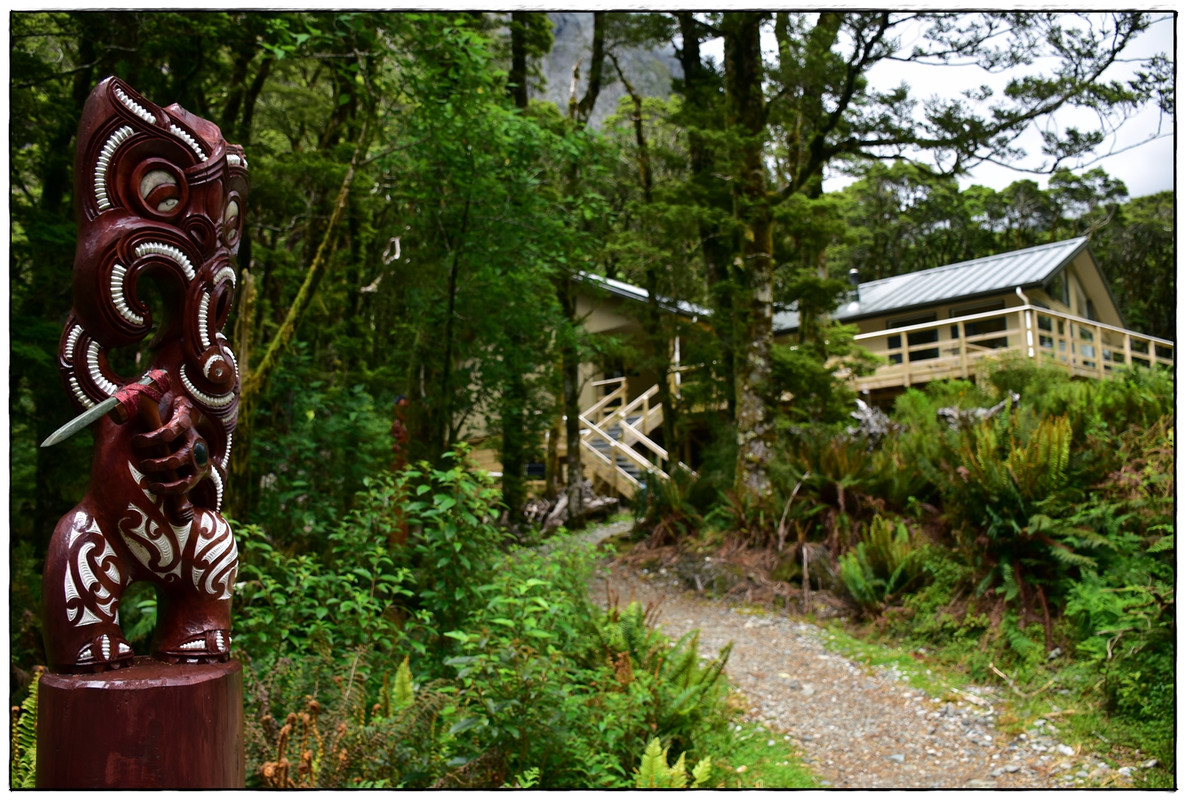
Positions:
(87, 571)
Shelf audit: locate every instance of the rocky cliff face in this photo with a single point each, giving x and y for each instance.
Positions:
(650, 71)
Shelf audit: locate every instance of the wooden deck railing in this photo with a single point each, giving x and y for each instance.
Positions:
(952, 348)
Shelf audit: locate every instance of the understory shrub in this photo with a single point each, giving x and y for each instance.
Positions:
(324, 442)
(884, 563)
(449, 661)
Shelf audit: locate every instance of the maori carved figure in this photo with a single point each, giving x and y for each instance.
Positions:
(160, 196)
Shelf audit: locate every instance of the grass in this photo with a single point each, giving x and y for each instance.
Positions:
(919, 666)
(758, 758)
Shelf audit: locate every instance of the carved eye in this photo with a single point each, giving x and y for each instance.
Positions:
(201, 454)
(160, 190)
(230, 222)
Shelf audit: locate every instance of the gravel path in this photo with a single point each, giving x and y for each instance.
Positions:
(859, 728)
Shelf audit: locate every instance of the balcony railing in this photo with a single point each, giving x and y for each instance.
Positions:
(952, 348)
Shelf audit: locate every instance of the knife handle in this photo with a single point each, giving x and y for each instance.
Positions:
(177, 506)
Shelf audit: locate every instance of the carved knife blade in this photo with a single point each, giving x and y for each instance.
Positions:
(87, 417)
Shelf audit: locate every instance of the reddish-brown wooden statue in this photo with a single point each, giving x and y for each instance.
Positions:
(159, 196)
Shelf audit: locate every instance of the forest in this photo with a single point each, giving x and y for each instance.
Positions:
(416, 224)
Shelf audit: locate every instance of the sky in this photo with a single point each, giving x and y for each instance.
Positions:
(1143, 148)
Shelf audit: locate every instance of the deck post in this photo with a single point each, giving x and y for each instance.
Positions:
(963, 332)
(1099, 346)
(1029, 331)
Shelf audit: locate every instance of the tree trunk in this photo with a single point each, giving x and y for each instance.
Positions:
(743, 85)
(570, 362)
(570, 376)
(701, 112)
(517, 77)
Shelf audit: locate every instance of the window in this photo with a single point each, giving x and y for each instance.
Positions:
(1057, 288)
(913, 339)
(1045, 323)
(981, 326)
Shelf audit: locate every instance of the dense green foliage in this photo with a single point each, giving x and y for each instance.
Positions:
(504, 668)
(404, 184)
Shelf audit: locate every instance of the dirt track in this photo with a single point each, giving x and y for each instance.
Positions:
(858, 728)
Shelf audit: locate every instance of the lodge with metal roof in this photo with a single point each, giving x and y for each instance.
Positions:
(1049, 302)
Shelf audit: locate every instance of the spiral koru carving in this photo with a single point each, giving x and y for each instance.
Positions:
(160, 198)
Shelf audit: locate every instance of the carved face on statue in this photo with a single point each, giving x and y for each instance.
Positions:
(161, 201)
(160, 197)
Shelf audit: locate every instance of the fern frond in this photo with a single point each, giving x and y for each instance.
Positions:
(402, 694)
(683, 670)
(1071, 558)
(1162, 545)
(653, 766)
(23, 765)
(677, 774)
(701, 772)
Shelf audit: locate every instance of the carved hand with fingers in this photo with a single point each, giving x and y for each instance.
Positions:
(175, 456)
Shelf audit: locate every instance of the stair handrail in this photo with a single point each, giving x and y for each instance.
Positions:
(615, 446)
(616, 394)
(644, 440)
(620, 415)
(604, 462)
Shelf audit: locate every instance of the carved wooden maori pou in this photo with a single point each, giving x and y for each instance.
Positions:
(160, 196)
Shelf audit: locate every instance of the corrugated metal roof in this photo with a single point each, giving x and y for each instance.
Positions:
(631, 292)
(1026, 268)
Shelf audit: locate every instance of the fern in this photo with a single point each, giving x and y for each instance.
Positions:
(23, 766)
(1009, 586)
(882, 564)
(1021, 644)
(653, 768)
(402, 694)
(1163, 544)
(654, 773)
(1039, 466)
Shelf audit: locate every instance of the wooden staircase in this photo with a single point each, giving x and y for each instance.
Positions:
(616, 449)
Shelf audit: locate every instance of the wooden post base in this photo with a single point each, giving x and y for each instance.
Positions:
(148, 726)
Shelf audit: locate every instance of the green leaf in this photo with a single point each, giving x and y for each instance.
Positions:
(467, 723)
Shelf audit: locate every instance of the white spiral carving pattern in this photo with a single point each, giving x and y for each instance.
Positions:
(118, 274)
(134, 107)
(214, 401)
(189, 140)
(92, 363)
(225, 272)
(169, 251)
(104, 161)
